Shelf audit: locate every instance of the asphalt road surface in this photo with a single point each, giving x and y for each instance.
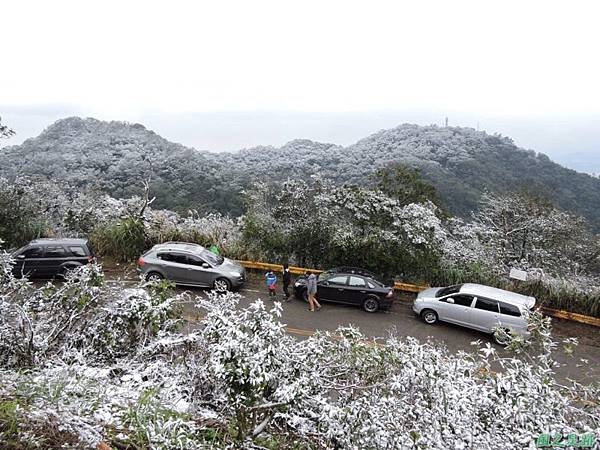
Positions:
(401, 321)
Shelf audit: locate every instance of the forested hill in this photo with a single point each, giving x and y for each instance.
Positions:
(117, 157)
(461, 163)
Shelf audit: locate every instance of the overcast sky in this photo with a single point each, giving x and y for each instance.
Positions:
(221, 75)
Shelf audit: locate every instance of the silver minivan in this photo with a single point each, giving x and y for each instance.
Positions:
(191, 265)
(475, 306)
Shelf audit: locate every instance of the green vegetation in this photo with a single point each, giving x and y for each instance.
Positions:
(124, 241)
(20, 218)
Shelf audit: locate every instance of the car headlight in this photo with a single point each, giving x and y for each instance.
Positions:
(235, 274)
(296, 284)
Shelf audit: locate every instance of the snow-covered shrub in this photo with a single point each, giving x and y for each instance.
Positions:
(245, 364)
(141, 405)
(83, 317)
(240, 380)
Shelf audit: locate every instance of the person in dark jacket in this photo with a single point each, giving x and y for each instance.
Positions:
(287, 279)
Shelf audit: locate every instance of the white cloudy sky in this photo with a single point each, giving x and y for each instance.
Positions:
(226, 74)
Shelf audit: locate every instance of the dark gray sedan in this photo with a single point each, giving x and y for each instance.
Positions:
(191, 265)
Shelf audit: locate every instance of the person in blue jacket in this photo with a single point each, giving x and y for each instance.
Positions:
(271, 283)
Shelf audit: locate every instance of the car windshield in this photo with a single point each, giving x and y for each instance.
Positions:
(211, 258)
(448, 290)
(18, 251)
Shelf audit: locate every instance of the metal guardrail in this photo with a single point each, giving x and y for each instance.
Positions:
(559, 314)
(406, 287)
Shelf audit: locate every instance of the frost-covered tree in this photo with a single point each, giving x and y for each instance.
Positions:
(528, 232)
(321, 224)
(406, 185)
(21, 215)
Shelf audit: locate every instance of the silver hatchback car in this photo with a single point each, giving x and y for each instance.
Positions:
(191, 265)
(475, 306)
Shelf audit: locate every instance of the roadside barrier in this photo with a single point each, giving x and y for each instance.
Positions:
(406, 287)
(559, 314)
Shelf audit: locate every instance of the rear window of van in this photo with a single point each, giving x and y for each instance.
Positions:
(509, 310)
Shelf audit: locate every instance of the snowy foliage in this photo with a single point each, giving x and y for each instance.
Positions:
(39, 209)
(460, 162)
(108, 364)
(82, 318)
(318, 224)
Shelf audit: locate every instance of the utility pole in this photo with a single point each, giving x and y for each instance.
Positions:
(446, 121)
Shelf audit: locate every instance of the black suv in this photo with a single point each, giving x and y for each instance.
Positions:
(48, 258)
(350, 285)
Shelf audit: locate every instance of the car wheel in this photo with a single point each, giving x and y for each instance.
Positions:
(221, 285)
(65, 271)
(500, 339)
(154, 277)
(429, 316)
(371, 305)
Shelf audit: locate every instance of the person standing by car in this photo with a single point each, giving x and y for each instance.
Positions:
(214, 249)
(311, 289)
(271, 282)
(287, 279)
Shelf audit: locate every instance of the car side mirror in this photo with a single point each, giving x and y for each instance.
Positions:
(205, 265)
(450, 300)
(20, 257)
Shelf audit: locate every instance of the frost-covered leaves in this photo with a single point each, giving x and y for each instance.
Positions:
(246, 365)
(142, 405)
(239, 378)
(317, 224)
(81, 318)
(525, 231)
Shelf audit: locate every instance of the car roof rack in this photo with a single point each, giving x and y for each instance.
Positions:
(353, 270)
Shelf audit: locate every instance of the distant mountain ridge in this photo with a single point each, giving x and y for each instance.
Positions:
(461, 163)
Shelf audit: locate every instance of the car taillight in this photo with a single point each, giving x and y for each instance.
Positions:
(141, 262)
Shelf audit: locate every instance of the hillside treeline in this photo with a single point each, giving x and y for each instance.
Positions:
(461, 163)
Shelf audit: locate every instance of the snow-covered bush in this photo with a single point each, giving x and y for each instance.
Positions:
(81, 318)
(318, 224)
(238, 380)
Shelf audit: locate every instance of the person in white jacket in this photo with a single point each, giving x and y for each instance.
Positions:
(311, 289)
